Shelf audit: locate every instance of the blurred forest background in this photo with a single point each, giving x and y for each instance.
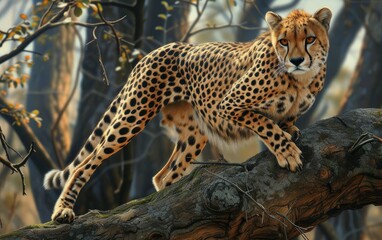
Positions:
(59, 71)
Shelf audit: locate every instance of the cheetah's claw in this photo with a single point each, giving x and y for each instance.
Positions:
(293, 131)
(296, 135)
(63, 215)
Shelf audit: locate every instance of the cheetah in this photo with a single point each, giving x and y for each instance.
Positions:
(221, 93)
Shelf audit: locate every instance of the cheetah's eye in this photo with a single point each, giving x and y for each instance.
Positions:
(283, 42)
(310, 40)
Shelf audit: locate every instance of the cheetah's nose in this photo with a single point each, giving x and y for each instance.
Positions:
(297, 61)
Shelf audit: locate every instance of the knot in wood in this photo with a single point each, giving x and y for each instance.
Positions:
(222, 197)
(325, 173)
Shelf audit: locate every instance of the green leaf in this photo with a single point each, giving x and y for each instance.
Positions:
(165, 4)
(163, 16)
(159, 28)
(77, 11)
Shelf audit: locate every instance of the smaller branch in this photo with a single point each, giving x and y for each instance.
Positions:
(230, 12)
(52, 23)
(118, 43)
(114, 3)
(27, 136)
(4, 144)
(8, 164)
(363, 139)
(33, 52)
(88, 25)
(105, 78)
(15, 167)
(199, 15)
(46, 13)
(225, 26)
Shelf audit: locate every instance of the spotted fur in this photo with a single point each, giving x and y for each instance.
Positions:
(224, 93)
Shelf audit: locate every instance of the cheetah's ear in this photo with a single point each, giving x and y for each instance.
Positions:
(272, 19)
(323, 16)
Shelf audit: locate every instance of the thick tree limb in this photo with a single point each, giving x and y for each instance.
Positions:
(342, 170)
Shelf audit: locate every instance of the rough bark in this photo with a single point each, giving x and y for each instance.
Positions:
(219, 201)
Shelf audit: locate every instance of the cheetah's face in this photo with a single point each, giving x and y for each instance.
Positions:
(301, 40)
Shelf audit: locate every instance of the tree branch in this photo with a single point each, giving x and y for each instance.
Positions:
(27, 136)
(15, 167)
(256, 199)
(43, 29)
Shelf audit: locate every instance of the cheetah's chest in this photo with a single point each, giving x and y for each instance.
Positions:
(291, 103)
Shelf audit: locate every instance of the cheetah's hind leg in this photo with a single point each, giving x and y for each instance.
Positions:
(178, 119)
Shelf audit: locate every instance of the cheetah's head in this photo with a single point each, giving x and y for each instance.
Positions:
(301, 40)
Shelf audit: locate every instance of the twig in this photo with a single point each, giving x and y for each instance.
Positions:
(225, 26)
(363, 139)
(298, 228)
(46, 13)
(105, 78)
(16, 167)
(114, 3)
(199, 15)
(107, 23)
(51, 24)
(4, 143)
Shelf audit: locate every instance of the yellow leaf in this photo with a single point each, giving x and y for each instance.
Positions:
(45, 57)
(35, 112)
(165, 4)
(94, 7)
(11, 34)
(163, 16)
(23, 16)
(27, 57)
(24, 78)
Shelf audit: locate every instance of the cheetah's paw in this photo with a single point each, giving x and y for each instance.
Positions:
(63, 215)
(290, 158)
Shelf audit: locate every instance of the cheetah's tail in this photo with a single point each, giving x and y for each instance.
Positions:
(54, 179)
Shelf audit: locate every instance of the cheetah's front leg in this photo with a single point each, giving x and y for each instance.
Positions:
(278, 141)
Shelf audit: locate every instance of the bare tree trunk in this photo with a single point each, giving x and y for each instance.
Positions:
(343, 31)
(257, 200)
(366, 85)
(110, 184)
(48, 89)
